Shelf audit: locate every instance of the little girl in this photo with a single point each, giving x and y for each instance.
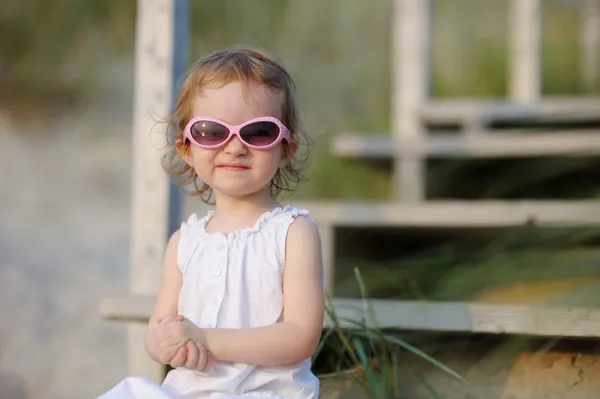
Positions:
(241, 306)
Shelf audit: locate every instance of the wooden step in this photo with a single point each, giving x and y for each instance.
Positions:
(456, 214)
(557, 109)
(514, 143)
(421, 315)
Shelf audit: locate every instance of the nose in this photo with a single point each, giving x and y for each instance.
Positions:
(235, 147)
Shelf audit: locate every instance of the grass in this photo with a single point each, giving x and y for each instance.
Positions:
(364, 355)
(468, 265)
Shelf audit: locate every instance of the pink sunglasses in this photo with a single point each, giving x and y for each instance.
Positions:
(259, 133)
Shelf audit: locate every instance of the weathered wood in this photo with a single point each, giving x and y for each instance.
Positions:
(429, 316)
(510, 143)
(549, 109)
(327, 232)
(478, 317)
(525, 31)
(590, 43)
(457, 214)
(181, 60)
(411, 111)
(152, 99)
(411, 65)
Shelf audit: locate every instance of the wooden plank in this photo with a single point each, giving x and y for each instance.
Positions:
(456, 214)
(181, 60)
(137, 308)
(513, 143)
(519, 144)
(430, 316)
(369, 145)
(548, 109)
(590, 43)
(525, 32)
(476, 317)
(410, 89)
(152, 97)
(327, 232)
(451, 214)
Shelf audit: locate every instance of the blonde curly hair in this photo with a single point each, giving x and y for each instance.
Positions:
(247, 66)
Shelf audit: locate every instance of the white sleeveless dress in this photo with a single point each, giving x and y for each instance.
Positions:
(231, 281)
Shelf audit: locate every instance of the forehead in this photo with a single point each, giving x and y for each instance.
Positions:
(237, 102)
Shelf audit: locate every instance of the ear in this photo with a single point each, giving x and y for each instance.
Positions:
(292, 147)
(184, 152)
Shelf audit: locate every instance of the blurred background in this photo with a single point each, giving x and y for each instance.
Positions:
(66, 100)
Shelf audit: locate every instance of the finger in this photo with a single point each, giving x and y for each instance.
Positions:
(168, 344)
(161, 318)
(176, 333)
(209, 361)
(202, 359)
(166, 338)
(180, 357)
(166, 355)
(192, 355)
(170, 318)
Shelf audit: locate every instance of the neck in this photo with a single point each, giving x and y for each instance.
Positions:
(244, 209)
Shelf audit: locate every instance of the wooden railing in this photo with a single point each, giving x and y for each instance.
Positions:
(161, 24)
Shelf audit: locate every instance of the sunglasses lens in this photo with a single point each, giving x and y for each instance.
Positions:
(209, 133)
(260, 134)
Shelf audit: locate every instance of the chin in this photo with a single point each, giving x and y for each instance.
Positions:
(238, 191)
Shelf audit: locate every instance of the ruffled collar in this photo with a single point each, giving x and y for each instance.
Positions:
(199, 224)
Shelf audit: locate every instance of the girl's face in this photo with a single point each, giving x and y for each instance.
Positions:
(234, 169)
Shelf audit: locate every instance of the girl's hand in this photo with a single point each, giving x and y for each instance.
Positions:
(193, 354)
(169, 343)
(198, 358)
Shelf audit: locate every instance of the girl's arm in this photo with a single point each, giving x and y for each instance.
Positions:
(297, 337)
(168, 296)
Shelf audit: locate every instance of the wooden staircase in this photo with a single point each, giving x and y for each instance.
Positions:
(422, 129)
(524, 125)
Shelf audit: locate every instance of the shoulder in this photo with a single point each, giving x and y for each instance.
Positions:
(174, 239)
(303, 239)
(298, 226)
(288, 227)
(173, 247)
(303, 228)
(303, 262)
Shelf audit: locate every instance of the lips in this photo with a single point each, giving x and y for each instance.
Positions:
(232, 166)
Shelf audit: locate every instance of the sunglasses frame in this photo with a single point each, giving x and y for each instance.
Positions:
(234, 130)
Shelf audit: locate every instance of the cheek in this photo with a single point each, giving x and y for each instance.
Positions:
(271, 159)
(201, 155)
(202, 160)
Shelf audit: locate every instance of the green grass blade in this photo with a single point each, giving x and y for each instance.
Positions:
(323, 341)
(398, 392)
(368, 307)
(425, 356)
(374, 385)
(348, 346)
(386, 369)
